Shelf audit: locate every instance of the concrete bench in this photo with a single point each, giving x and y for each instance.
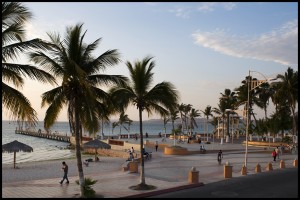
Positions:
(125, 166)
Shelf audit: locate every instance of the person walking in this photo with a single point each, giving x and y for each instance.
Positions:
(274, 155)
(156, 145)
(281, 148)
(220, 156)
(65, 168)
(277, 152)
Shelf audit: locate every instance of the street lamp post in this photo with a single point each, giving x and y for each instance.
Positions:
(248, 105)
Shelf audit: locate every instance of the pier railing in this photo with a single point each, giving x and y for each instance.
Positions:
(52, 136)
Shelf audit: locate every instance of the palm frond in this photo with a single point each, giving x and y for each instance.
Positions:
(17, 105)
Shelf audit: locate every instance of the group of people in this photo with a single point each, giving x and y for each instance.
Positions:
(278, 150)
(131, 156)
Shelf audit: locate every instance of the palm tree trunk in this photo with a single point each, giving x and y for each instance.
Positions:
(14, 159)
(173, 130)
(142, 175)
(294, 121)
(102, 128)
(78, 153)
(206, 128)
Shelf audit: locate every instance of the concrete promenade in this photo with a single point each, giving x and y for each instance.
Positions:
(166, 172)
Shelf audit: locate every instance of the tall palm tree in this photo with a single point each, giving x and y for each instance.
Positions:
(166, 119)
(193, 115)
(113, 126)
(265, 92)
(123, 119)
(159, 98)
(72, 62)
(14, 17)
(242, 99)
(215, 124)
(207, 112)
(220, 110)
(289, 87)
(129, 122)
(174, 117)
(186, 110)
(181, 109)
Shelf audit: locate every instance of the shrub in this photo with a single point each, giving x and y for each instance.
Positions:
(89, 192)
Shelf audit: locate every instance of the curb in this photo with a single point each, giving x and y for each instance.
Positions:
(157, 192)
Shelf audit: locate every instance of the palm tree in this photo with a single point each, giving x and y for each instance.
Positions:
(289, 88)
(129, 122)
(186, 110)
(207, 112)
(265, 92)
(181, 112)
(71, 61)
(159, 98)
(123, 119)
(231, 101)
(174, 117)
(215, 124)
(166, 119)
(14, 17)
(220, 110)
(114, 125)
(193, 115)
(242, 99)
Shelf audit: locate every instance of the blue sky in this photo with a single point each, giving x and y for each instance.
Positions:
(202, 48)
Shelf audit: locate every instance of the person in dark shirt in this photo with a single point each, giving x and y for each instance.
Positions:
(220, 155)
(65, 168)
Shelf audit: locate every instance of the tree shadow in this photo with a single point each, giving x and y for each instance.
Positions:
(142, 187)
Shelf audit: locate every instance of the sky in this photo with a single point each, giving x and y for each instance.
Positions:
(202, 48)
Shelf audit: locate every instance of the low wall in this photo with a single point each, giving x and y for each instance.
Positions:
(271, 144)
(176, 150)
(178, 136)
(152, 144)
(110, 153)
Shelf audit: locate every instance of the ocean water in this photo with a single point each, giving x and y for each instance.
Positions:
(46, 149)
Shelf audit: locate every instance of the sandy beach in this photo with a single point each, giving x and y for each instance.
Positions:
(52, 168)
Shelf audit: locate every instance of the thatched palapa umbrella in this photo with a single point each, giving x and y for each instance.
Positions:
(96, 144)
(16, 146)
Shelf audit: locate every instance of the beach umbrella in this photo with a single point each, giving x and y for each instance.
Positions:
(16, 146)
(95, 143)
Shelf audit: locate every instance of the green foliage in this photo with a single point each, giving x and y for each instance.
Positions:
(287, 139)
(89, 192)
(177, 130)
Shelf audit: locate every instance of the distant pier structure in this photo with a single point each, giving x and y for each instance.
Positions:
(62, 138)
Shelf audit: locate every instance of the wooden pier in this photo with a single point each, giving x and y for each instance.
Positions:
(44, 135)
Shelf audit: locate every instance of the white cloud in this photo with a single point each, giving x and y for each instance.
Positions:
(183, 12)
(211, 6)
(207, 7)
(279, 45)
(40, 30)
(229, 6)
(151, 3)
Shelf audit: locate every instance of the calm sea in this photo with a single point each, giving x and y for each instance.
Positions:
(45, 149)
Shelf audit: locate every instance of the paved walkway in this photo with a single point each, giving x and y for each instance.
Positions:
(166, 172)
